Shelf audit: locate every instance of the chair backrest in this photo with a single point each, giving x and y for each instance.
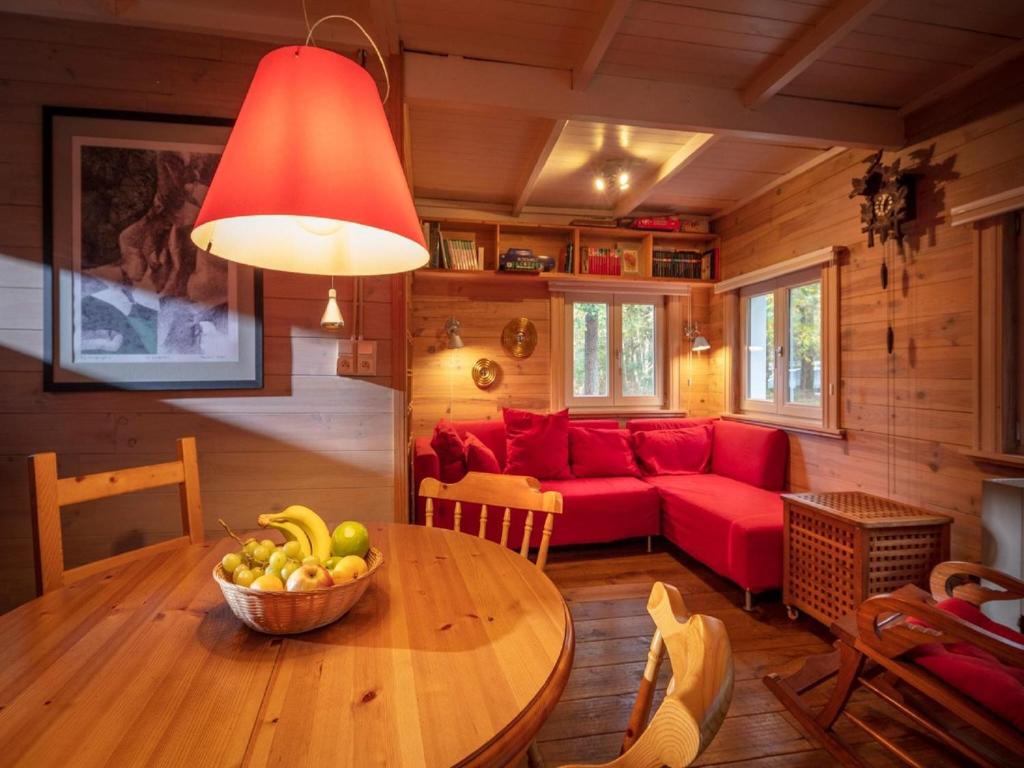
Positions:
(498, 491)
(698, 696)
(49, 493)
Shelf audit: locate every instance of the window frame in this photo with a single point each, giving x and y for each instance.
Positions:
(615, 399)
(823, 262)
(781, 289)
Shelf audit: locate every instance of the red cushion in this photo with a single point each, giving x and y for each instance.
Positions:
(480, 458)
(734, 528)
(976, 673)
(537, 444)
(648, 425)
(595, 423)
(450, 450)
(602, 453)
(491, 433)
(598, 509)
(750, 454)
(674, 451)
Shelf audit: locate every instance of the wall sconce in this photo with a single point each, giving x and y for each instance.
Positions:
(698, 342)
(451, 329)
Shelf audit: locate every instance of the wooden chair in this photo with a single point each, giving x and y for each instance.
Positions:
(698, 694)
(870, 654)
(497, 491)
(49, 493)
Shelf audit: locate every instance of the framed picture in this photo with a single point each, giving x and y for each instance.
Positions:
(131, 303)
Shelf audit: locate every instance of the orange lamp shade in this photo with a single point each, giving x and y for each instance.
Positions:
(310, 180)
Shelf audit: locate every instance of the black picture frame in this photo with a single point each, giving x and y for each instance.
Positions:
(59, 378)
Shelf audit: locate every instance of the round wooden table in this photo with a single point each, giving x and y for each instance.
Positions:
(456, 654)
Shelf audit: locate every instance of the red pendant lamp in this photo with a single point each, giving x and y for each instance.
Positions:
(310, 180)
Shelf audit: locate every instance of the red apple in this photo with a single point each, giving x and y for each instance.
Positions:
(307, 577)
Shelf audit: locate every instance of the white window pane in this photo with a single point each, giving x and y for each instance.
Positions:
(590, 349)
(761, 347)
(639, 374)
(804, 375)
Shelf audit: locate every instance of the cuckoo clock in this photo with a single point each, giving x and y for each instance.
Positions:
(888, 199)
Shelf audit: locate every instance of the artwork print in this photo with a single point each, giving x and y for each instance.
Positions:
(142, 288)
(135, 303)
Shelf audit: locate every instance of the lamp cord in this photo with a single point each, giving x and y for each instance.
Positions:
(318, 22)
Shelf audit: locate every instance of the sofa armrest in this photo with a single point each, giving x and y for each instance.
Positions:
(425, 463)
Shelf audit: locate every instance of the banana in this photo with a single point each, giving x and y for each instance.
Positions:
(314, 527)
(291, 532)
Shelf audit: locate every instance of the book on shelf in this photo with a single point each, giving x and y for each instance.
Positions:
(600, 261)
(460, 255)
(685, 264)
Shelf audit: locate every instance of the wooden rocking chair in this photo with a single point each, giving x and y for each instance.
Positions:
(698, 695)
(871, 652)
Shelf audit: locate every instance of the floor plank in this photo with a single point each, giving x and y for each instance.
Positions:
(606, 588)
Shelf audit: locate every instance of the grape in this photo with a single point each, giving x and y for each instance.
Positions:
(277, 559)
(272, 571)
(287, 570)
(243, 577)
(257, 572)
(293, 549)
(268, 544)
(230, 562)
(311, 560)
(250, 545)
(261, 554)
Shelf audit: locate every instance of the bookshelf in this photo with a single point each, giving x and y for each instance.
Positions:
(552, 240)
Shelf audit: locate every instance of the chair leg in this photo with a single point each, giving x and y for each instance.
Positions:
(533, 756)
(748, 600)
(649, 550)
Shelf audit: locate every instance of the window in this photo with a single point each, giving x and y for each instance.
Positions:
(615, 350)
(781, 346)
(781, 332)
(1000, 352)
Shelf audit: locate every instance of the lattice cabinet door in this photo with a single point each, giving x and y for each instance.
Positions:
(841, 548)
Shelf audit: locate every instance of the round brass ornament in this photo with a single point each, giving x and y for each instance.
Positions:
(519, 337)
(485, 372)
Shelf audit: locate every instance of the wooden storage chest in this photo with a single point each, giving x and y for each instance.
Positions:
(841, 548)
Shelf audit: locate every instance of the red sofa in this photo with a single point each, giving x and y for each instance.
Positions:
(729, 517)
(595, 509)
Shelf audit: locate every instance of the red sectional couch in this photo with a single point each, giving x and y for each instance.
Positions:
(728, 516)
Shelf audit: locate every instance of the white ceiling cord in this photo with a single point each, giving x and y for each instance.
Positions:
(309, 38)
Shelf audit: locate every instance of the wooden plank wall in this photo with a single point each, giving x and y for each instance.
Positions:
(906, 419)
(442, 386)
(308, 437)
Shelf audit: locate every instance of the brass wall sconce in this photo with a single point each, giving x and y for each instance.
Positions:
(485, 372)
(519, 337)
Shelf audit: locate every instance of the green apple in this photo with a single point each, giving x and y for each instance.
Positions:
(350, 538)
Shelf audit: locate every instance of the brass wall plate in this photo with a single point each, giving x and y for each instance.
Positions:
(485, 372)
(519, 337)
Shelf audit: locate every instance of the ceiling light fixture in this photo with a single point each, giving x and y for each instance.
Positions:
(612, 176)
(310, 180)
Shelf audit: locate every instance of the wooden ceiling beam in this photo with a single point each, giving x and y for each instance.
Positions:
(837, 22)
(540, 159)
(610, 19)
(496, 88)
(965, 78)
(682, 157)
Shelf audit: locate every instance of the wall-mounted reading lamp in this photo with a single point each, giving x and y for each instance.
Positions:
(451, 329)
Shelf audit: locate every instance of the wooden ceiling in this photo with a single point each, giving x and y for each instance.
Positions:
(516, 104)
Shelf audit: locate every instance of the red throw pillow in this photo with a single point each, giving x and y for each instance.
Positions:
(480, 458)
(537, 444)
(602, 452)
(450, 450)
(674, 451)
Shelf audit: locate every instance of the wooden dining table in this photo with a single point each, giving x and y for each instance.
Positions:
(455, 655)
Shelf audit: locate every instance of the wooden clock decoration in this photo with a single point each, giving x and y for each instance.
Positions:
(889, 199)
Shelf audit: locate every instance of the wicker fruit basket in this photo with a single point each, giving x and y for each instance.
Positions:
(288, 613)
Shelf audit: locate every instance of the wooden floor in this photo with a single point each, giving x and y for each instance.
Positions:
(606, 589)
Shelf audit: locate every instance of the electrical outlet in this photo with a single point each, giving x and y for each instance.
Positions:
(346, 358)
(366, 358)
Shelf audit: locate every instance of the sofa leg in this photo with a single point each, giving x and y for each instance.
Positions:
(748, 600)
(649, 545)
